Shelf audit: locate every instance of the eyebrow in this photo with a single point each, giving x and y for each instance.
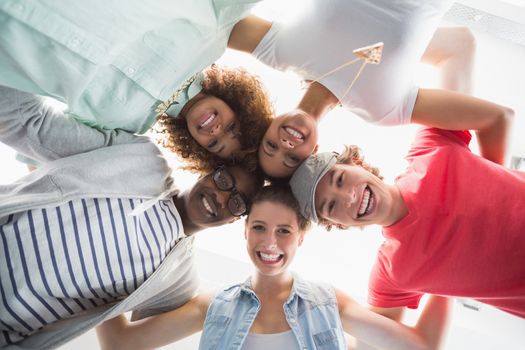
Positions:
(288, 166)
(286, 226)
(220, 149)
(265, 151)
(332, 175)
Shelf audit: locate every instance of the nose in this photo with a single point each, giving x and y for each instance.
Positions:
(222, 199)
(350, 198)
(287, 144)
(216, 130)
(270, 242)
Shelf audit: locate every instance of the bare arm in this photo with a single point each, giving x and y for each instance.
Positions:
(247, 33)
(454, 111)
(382, 332)
(155, 331)
(452, 50)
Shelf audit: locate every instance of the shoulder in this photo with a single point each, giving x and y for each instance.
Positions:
(428, 136)
(314, 291)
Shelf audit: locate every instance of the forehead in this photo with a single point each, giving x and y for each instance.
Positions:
(245, 182)
(273, 165)
(273, 212)
(231, 146)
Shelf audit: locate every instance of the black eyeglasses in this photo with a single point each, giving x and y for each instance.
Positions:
(237, 204)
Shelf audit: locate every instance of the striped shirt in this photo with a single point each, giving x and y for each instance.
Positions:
(60, 261)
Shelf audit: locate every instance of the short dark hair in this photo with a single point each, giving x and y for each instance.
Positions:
(282, 194)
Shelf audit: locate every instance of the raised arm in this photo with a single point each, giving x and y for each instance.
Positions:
(382, 332)
(43, 133)
(452, 51)
(154, 331)
(454, 111)
(247, 33)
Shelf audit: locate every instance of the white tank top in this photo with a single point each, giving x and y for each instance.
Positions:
(276, 341)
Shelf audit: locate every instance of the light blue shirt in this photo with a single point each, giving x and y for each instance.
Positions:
(310, 310)
(112, 62)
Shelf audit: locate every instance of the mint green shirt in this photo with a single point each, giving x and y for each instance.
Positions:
(112, 61)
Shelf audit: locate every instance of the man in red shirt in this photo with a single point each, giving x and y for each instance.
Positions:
(453, 223)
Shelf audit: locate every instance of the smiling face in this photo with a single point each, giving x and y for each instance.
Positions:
(213, 124)
(289, 140)
(207, 205)
(272, 236)
(348, 195)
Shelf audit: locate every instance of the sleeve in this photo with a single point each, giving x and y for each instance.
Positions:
(38, 131)
(267, 48)
(382, 292)
(432, 138)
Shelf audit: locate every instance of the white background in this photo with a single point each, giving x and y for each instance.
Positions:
(344, 258)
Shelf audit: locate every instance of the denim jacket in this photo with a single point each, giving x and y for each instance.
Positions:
(310, 310)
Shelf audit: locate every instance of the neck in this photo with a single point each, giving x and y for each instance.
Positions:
(272, 285)
(399, 208)
(189, 227)
(317, 101)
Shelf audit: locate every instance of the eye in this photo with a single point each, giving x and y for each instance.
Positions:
(294, 158)
(271, 145)
(258, 227)
(339, 182)
(283, 231)
(212, 144)
(231, 128)
(331, 207)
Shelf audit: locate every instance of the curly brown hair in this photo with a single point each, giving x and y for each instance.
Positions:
(246, 96)
(351, 155)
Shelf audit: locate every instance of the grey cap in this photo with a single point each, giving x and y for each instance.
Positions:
(305, 179)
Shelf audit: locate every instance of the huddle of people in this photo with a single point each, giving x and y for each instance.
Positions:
(99, 228)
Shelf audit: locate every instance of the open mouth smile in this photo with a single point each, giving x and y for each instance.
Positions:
(296, 134)
(209, 205)
(207, 119)
(367, 202)
(267, 258)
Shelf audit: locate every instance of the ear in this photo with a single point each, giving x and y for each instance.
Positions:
(301, 239)
(233, 220)
(315, 149)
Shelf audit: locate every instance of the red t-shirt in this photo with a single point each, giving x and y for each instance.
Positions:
(464, 234)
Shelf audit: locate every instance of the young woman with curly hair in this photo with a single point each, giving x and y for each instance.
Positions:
(115, 67)
(224, 122)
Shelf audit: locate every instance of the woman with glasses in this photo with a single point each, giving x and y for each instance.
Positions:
(274, 308)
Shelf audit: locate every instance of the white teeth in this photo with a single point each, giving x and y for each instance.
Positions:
(294, 133)
(207, 205)
(269, 257)
(209, 120)
(364, 202)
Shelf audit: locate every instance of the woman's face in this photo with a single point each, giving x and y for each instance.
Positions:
(289, 140)
(272, 237)
(213, 124)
